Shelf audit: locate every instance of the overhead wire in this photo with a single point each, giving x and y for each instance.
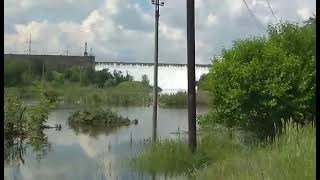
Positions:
(254, 18)
(271, 10)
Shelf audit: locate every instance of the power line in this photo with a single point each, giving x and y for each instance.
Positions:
(272, 12)
(255, 19)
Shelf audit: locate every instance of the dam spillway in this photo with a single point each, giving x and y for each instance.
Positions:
(171, 77)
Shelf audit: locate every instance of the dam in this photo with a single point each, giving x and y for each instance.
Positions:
(171, 77)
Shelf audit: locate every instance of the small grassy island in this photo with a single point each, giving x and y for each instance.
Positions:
(99, 117)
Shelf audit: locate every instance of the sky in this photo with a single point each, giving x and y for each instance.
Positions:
(123, 30)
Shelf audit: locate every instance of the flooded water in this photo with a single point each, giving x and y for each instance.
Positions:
(92, 153)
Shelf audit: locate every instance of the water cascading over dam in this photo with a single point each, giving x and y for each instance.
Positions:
(171, 77)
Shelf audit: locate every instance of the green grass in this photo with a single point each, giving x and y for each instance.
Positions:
(172, 157)
(126, 93)
(167, 156)
(180, 99)
(290, 156)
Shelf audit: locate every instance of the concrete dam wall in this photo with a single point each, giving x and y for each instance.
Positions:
(171, 77)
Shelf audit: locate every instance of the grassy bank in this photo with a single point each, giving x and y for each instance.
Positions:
(126, 93)
(290, 156)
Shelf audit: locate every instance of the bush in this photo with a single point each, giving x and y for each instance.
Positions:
(203, 83)
(180, 99)
(13, 73)
(259, 81)
(145, 80)
(97, 117)
(51, 96)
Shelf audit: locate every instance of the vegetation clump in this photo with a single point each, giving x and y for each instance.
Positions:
(20, 119)
(261, 80)
(98, 117)
(23, 127)
(180, 99)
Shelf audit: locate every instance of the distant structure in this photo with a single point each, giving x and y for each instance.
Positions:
(52, 61)
(85, 49)
(29, 51)
(91, 54)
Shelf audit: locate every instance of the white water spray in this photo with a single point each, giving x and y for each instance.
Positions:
(171, 78)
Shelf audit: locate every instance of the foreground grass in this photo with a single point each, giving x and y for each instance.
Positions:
(290, 156)
(172, 157)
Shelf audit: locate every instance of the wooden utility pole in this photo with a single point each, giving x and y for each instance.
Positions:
(85, 49)
(155, 81)
(29, 50)
(191, 76)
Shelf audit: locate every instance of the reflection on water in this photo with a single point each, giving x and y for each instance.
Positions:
(15, 147)
(89, 153)
(93, 130)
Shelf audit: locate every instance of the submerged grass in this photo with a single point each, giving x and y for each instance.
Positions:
(290, 155)
(180, 99)
(167, 156)
(125, 94)
(172, 157)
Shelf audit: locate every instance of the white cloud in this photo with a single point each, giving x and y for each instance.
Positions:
(211, 20)
(124, 29)
(235, 7)
(305, 13)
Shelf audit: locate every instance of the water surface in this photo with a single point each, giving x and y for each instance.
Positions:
(94, 153)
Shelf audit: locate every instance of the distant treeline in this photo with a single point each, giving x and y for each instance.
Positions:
(26, 72)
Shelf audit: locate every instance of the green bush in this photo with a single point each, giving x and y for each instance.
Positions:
(145, 80)
(259, 81)
(100, 117)
(51, 96)
(203, 84)
(13, 73)
(180, 99)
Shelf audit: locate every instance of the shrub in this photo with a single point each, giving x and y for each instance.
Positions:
(145, 80)
(259, 81)
(51, 96)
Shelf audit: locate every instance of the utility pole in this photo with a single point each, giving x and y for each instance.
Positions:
(191, 76)
(155, 81)
(29, 51)
(85, 49)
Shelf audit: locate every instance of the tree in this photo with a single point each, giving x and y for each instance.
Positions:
(145, 80)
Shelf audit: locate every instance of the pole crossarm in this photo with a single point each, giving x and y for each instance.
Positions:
(157, 3)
